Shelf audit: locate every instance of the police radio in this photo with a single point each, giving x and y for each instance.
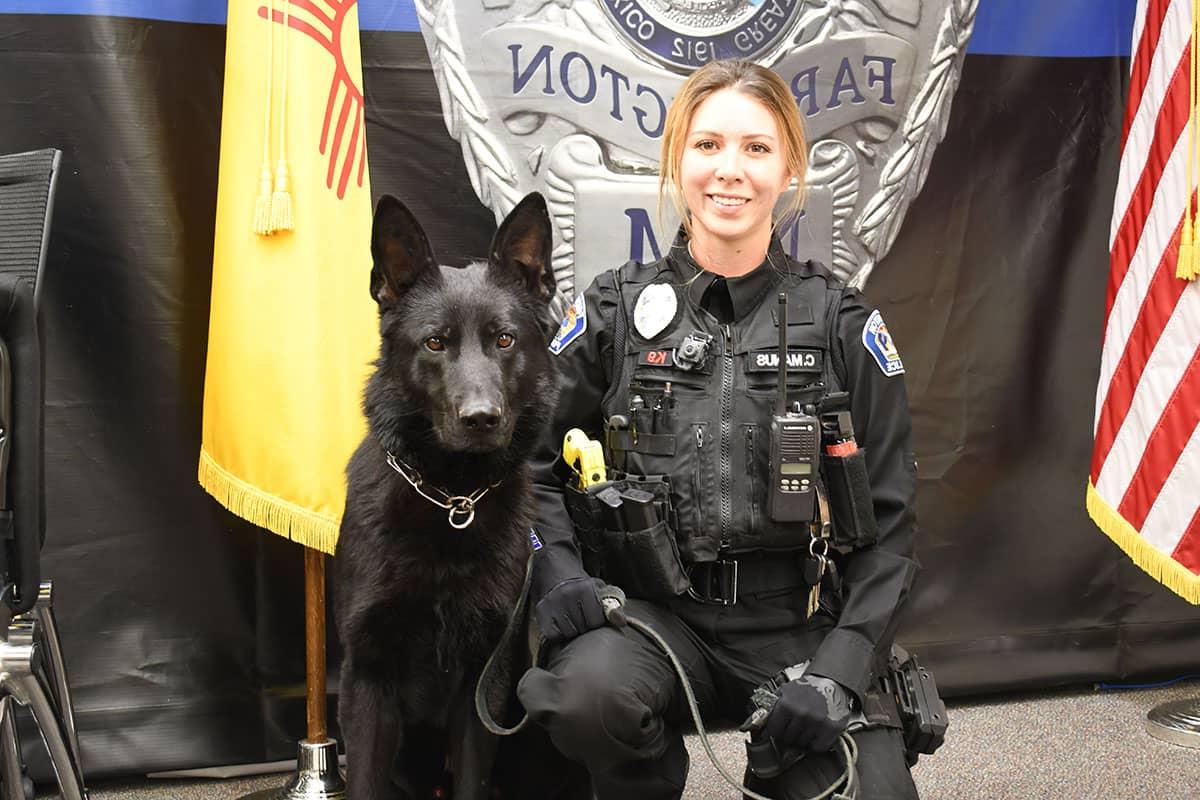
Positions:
(795, 447)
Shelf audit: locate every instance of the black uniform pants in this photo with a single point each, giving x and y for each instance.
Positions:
(610, 700)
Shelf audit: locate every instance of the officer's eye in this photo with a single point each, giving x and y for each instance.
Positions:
(759, 147)
(505, 340)
(706, 144)
(435, 344)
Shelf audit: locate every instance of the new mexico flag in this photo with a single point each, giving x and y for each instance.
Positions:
(293, 329)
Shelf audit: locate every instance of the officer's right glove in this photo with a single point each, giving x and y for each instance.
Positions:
(812, 711)
(570, 608)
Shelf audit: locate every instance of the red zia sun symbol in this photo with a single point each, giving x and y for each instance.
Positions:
(325, 23)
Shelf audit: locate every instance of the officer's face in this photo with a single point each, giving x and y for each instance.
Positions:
(733, 170)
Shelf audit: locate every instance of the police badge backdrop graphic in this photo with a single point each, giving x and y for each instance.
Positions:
(180, 620)
(569, 98)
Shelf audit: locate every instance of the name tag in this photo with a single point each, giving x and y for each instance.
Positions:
(798, 360)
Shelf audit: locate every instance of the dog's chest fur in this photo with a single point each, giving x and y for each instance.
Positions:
(422, 604)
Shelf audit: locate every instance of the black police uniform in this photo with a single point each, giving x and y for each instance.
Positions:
(608, 697)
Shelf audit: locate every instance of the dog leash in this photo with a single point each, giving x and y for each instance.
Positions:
(511, 630)
(613, 600)
(849, 748)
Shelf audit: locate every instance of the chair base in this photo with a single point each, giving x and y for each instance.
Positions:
(317, 776)
(33, 675)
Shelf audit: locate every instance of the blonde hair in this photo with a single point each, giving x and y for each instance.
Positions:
(752, 80)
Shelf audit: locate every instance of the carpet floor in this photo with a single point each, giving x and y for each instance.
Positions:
(1075, 744)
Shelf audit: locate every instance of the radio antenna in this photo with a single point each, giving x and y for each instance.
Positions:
(781, 404)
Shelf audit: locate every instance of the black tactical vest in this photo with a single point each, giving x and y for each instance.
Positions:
(709, 431)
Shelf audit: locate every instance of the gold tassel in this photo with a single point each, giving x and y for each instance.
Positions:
(1186, 260)
(1185, 264)
(281, 200)
(262, 206)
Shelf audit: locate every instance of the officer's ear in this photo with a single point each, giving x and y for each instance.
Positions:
(521, 247)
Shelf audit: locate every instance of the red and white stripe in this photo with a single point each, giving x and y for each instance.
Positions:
(1146, 461)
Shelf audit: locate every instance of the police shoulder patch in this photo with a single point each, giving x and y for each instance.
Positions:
(879, 344)
(572, 327)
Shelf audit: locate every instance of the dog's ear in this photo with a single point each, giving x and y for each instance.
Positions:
(522, 246)
(399, 250)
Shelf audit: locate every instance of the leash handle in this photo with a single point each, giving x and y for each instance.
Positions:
(612, 598)
(849, 775)
(613, 601)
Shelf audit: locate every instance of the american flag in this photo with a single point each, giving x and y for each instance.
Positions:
(1144, 486)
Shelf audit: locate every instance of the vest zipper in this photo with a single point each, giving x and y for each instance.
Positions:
(698, 480)
(726, 437)
(752, 470)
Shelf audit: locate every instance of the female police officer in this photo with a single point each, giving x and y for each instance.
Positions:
(675, 364)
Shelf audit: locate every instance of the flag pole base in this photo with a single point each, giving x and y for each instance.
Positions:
(1177, 722)
(317, 776)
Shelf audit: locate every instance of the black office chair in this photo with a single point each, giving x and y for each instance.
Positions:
(31, 666)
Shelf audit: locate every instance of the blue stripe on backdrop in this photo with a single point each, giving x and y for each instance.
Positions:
(1065, 28)
(385, 15)
(212, 11)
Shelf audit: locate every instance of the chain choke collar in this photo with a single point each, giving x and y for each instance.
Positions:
(461, 508)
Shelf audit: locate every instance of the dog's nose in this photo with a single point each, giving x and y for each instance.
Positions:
(479, 417)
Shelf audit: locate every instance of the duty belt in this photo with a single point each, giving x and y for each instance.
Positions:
(724, 581)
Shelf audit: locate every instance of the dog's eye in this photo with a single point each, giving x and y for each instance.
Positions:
(505, 340)
(435, 344)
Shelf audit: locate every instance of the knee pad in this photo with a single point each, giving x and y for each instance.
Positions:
(590, 719)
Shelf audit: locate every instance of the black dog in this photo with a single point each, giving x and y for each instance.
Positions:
(462, 387)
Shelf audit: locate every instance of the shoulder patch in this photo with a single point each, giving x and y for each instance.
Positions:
(572, 327)
(879, 344)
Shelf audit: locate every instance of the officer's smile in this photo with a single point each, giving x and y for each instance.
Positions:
(728, 201)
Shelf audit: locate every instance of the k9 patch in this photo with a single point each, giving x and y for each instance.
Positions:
(879, 344)
(572, 327)
(654, 358)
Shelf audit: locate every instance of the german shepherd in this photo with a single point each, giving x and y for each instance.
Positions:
(462, 388)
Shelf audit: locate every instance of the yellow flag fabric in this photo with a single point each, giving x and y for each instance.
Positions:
(293, 329)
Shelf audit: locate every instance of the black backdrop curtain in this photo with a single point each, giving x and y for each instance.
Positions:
(183, 625)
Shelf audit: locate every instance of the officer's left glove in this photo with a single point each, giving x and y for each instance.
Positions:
(812, 711)
(570, 609)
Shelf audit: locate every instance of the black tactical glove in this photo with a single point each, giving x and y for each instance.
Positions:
(570, 608)
(810, 714)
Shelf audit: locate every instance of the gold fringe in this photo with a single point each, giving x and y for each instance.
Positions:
(265, 510)
(1157, 564)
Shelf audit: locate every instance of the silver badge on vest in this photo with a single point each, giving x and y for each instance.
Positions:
(655, 309)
